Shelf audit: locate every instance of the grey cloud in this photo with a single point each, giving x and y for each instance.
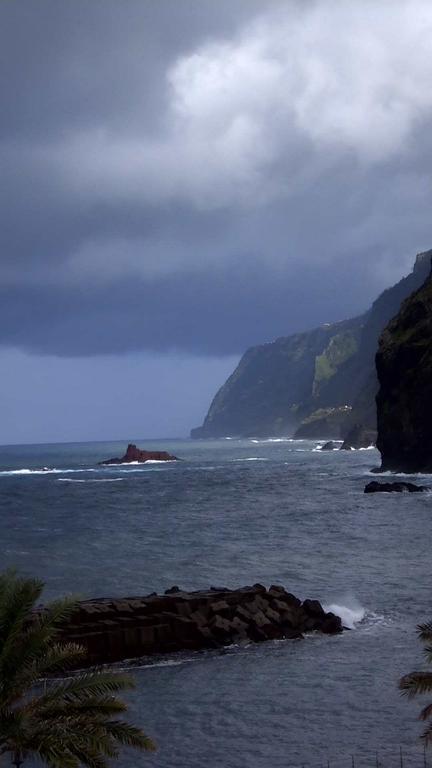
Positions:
(203, 313)
(201, 176)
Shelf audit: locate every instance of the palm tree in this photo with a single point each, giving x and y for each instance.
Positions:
(67, 722)
(418, 683)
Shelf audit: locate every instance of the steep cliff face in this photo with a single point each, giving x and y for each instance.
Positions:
(266, 393)
(404, 367)
(297, 381)
(358, 377)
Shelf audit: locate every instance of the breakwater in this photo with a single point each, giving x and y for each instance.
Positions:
(116, 629)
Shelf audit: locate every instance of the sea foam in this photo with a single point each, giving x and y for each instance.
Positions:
(350, 615)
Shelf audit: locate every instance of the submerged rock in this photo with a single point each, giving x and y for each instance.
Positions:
(123, 628)
(136, 454)
(398, 487)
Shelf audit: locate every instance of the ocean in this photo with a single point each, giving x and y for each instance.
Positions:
(231, 513)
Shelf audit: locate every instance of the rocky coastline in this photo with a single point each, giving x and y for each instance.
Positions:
(113, 630)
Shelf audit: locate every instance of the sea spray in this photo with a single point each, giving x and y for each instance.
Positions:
(351, 614)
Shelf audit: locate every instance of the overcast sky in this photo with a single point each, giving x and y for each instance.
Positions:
(181, 179)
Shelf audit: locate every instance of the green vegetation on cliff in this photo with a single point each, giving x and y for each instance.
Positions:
(341, 347)
(283, 386)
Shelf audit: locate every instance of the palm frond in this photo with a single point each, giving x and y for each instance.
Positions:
(35, 636)
(426, 712)
(81, 687)
(427, 735)
(130, 736)
(26, 669)
(68, 723)
(425, 631)
(17, 598)
(416, 683)
(98, 707)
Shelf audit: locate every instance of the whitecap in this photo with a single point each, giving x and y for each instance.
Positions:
(392, 473)
(52, 471)
(273, 440)
(252, 458)
(350, 615)
(142, 463)
(92, 480)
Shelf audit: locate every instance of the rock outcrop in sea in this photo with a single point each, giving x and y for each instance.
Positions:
(359, 437)
(117, 629)
(404, 367)
(330, 446)
(320, 383)
(134, 454)
(398, 487)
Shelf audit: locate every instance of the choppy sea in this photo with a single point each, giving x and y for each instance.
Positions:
(231, 513)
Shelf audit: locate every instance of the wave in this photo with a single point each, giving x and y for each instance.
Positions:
(252, 458)
(391, 473)
(274, 440)
(25, 472)
(351, 616)
(142, 463)
(92, 480)
(47, 471)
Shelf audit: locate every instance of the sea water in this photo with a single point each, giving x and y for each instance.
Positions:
(231, 513)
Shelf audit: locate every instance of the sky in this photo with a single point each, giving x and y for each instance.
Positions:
(182, 179)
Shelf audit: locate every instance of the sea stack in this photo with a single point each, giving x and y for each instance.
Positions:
(404, 368)
(134, 454)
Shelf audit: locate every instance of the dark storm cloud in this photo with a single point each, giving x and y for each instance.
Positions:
(201, 176)
(199, 313)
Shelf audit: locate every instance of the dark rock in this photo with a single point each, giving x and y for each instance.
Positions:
(289, 599)
(113, 630)
(313, 608)
(330, 446)
(311, 624)
(244, 614)
(404, 367)
(221, 628)
(172, 590)
(398, 487)
(134, 454)
(359, 437)
(332, 625)
(276, 589)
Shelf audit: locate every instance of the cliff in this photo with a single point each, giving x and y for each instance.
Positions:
(404, 367)
(319, 383)
(266, 393)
